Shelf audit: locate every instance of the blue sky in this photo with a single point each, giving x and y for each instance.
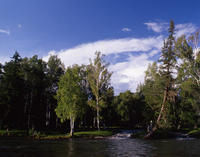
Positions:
(129, 32)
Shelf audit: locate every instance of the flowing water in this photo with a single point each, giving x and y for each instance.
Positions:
(116, 146)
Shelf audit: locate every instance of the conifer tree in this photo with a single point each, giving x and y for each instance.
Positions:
(168, 63)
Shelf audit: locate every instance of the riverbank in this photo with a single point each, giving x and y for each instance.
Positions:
(56, 135)
(95, 134)
(169, 134)
(81, 134)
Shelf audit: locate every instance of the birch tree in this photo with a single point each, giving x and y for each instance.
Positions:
(70, 96)
(99, 81)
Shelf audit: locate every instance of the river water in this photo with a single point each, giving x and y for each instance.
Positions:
(109, 147)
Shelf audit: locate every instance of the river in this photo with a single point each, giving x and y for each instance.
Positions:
(109, 147)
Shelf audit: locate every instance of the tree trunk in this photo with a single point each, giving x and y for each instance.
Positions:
(94, 122)
(98, 114)
(48, 114)
(159, 116)
(56, 122)
(98, 119)
(29, 112)
(71, 127)
(162, 108)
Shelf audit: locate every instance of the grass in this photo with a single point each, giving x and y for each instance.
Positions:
(53, 137)
(56, 135)
(194, 133)
(81, 134)
(12, 133)
(93, 133)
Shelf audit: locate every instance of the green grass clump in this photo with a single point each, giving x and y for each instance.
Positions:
(194, 133)
(54, 136)
(93, 133)
(12, 132)
(84, 134)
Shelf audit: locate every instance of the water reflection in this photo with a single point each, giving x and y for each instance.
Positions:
(14, 147)
(129, 147)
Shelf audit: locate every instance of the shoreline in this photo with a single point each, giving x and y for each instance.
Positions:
(160, 134)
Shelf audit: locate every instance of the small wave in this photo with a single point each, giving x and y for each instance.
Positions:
(184, 138)
(122, 135)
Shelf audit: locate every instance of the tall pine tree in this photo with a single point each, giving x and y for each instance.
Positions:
(168, 63)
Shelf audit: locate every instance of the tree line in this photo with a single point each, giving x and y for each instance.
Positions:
(40, 95)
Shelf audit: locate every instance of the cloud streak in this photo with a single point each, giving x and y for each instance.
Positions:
(5, 31)
(81, 53)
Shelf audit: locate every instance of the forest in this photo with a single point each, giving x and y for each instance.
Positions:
(42, 96)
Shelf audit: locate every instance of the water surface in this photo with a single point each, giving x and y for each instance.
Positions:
(109, 147)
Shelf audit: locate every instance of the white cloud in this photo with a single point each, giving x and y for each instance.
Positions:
(185, 29)
(156, 27)
(4, 59)
(126, 29)
(81, 53)
(5, 31)
(126, 75)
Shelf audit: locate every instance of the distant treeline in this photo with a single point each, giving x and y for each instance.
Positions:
(40, 95)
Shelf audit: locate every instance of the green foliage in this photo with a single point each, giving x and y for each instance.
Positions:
(125, 107)
(129, 107)
(70, 96)
(10, 92)
(152, 90)
(187, 80)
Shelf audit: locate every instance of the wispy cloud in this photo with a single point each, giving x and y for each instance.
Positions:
(126, 29)
(156, 27)
(185, 29)
(5, 31)
(180, 29)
